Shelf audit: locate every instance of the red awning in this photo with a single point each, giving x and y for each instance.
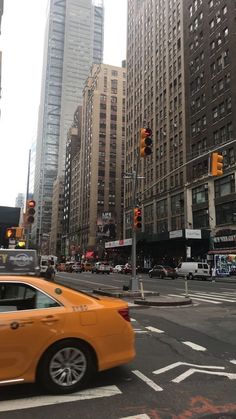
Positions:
(89, 255)
(227, 251)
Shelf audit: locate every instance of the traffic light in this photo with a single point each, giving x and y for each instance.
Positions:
(145, 142)
(137, 218)
(30, 211)
(19, 232)
(10, 233)
(216, 164)
(21, 244)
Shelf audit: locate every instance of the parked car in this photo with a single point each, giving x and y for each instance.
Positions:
(233, 270)
(87, 267)
(193, 270)
(118, 269)
(58, 336)
(162, 271)
(61, 267)
(102, 267)
(68, 266)
(77, 267)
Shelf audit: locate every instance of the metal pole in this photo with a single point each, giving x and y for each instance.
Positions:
(28, 227)
(186, 286)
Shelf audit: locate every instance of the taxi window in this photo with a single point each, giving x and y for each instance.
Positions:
(15, 296)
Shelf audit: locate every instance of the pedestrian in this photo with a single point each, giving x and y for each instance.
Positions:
(50, 272)
(213, 274)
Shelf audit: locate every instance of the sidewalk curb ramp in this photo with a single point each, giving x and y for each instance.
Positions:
(149, 298)
(164, 302)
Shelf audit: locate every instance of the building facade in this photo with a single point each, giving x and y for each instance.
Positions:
(96, 210)
(73, 41)
(171, 52)
(1, 13)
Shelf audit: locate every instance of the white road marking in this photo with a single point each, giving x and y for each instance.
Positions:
(140, 331)
(142, 416)
(147, 380)
(154, 329)
(233, 361)
(177, 364)
(199, 299)
(194, 346)
(27, 403)
(191, 371)
(213, 297)
(133, 320)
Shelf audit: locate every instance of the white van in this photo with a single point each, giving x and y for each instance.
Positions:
(193, 270)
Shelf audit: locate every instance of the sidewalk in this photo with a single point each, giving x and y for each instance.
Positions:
(149, 298)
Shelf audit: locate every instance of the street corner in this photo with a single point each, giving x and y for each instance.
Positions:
(163, 301)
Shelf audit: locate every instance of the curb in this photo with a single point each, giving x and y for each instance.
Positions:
(125, 294)
(163, 303)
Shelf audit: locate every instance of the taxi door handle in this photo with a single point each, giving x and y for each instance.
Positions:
(49, 319)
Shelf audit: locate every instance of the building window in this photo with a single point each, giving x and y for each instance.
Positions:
(224, 186)
(224, 213)
(200, 218)
(200, 194)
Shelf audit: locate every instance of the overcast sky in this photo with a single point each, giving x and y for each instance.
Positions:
(21, 42)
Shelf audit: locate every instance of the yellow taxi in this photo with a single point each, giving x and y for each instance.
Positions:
(58, 336)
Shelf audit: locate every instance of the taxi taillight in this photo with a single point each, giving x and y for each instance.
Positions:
(124, 312)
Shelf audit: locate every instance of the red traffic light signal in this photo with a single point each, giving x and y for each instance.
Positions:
(30, 211)
(137, 218)
(216, 164)
(145, 142)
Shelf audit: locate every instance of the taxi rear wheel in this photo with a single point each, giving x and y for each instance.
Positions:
(66, 367)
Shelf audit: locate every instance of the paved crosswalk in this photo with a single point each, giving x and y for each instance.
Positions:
(210, 297)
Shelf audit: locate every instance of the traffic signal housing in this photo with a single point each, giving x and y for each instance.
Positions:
(137, 218)
(145, 142)
(30, 211)
(11, 233)
(216, 164)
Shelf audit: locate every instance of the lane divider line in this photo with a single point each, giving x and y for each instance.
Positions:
(154, 329)
(147, 380)
(194, 346)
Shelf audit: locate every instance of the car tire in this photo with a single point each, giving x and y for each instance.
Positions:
(53, 376)
(190, 276)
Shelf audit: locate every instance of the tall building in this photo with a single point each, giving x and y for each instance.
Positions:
(181, 84)
(1, 13)
(73, 41)
(96, 190)
(20, 203)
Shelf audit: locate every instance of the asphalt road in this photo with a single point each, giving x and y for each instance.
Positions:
(185, 365)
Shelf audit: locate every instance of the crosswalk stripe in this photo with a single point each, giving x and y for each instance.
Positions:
(142, 416)
(29, 402)
(213, 297)
(196, 298)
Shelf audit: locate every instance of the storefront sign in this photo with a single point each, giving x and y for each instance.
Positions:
(225, 239)
(175, 234)
(119, 243)
(193, 234)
